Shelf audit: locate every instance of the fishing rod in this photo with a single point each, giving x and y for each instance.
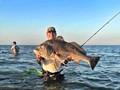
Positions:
(100, 28)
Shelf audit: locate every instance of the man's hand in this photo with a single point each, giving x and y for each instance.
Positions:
(38, 56)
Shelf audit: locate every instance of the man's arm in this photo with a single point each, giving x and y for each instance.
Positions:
(12, 47)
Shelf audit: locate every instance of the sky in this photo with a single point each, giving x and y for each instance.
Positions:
(26, 21)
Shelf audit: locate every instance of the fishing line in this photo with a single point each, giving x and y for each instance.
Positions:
(100, 28)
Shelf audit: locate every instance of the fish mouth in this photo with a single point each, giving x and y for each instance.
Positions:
(36, 52)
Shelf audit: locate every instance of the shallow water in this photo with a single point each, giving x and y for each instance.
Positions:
(106, 75)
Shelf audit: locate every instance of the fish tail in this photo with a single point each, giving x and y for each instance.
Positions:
(94, 61)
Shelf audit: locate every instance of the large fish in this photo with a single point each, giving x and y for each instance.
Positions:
(59, 50)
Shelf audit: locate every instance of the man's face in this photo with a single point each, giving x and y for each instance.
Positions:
(51, 35)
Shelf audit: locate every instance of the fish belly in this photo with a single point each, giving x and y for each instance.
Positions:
(51, 67)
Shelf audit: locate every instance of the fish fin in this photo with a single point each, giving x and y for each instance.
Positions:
(69, 58)
(93, 62)
(58, 58)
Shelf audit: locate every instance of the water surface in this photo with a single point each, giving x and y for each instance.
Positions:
(106, 75)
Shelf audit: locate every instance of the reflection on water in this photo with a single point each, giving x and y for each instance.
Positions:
(13, 73)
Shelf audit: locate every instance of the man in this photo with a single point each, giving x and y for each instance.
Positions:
(15, 48)
(50, 70)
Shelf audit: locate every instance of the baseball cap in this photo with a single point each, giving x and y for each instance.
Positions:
(51, 29)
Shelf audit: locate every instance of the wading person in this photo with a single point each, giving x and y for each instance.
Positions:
(15, 48)
(50, 70)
